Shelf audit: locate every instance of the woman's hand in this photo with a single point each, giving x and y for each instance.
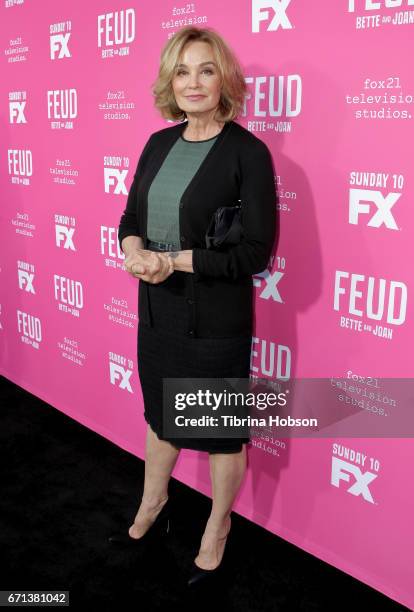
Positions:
(150, 266)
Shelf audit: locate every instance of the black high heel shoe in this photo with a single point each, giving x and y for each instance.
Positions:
(200, 576)
(161, 526)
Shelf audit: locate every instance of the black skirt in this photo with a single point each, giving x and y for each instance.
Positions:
(167, 351)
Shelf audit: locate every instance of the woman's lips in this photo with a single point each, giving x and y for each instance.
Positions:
(194, 97)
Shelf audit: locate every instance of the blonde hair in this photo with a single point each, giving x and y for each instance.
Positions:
(233, 84)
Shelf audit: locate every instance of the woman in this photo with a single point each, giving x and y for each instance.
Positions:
(195, 305)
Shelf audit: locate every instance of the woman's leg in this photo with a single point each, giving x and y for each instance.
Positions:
(160, 459)
(226, 472)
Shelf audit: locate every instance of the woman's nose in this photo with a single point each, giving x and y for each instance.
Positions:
(193, 79)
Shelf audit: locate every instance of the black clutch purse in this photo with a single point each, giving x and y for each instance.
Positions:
(225, 227)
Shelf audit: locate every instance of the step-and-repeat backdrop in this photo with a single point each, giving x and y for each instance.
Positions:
(331, 93)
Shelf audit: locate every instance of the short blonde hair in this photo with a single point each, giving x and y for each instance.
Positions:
(233, 84)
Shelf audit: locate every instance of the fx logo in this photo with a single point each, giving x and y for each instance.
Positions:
(65, 234)
(117, 372)
(16, 110)
(382, 215)
(25, 280)
(279, 18)
(113, 174)
(341, 470)
(59, 46)
(271, 280)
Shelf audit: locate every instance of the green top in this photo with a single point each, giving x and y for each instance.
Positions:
(176, 172)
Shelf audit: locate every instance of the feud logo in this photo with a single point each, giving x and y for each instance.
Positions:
(20, 162)
(375, 5)
(116, 28)
(272, 13)
(29, 326)
(376, 298)
(62, 103)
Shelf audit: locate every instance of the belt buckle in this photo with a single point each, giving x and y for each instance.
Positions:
(163, 246)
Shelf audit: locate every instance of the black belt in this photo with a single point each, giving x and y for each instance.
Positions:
(154, 245)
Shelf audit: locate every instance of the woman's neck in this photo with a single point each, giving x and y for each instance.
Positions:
(197, 129)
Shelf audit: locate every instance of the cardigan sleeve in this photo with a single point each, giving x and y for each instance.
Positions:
(259, 218)
(128, 224)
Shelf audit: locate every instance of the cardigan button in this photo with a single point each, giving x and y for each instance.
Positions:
(182, 238)
(190, 301)
(181, 205)
(191, 332)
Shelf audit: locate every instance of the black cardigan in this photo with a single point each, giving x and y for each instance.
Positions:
(220, 290)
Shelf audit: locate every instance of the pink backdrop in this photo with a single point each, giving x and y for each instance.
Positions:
(331, 87)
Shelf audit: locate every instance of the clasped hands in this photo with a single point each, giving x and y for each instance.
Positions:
(150, 266)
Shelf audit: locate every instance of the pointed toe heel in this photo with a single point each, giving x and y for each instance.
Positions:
(200, 576)
(160, 527)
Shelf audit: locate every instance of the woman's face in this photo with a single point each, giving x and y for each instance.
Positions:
(197, 75)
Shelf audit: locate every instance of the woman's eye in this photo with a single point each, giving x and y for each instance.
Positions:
(205, 70)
